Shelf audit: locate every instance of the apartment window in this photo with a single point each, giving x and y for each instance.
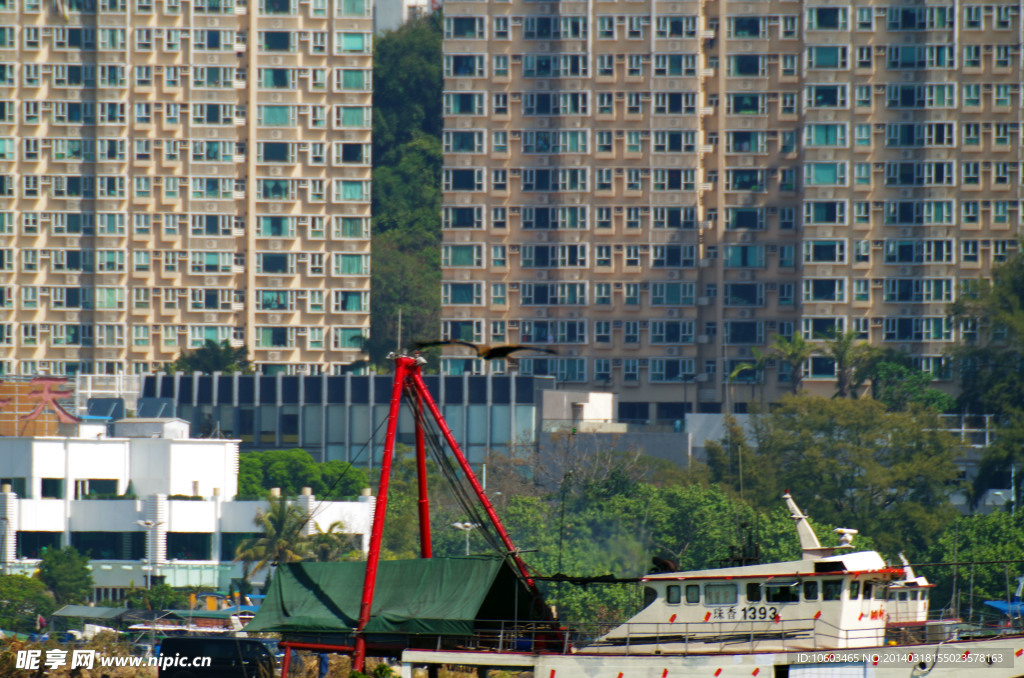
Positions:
(971, 95)
(828, 57)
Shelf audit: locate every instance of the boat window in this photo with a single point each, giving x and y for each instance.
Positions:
(913, 595)
(720, 594)
(672, 594)
(880, 592)
(903, 595)
(832, 589)
(854, 590)
(650, 595)
(692, 593)
(753, 593)
(867, 590)
(810, 590)
(784, 593)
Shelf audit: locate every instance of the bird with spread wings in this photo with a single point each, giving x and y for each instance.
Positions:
(483, 350)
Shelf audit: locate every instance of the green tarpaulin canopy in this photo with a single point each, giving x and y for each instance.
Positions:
(433, 596)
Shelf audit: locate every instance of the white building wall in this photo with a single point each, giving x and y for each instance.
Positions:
(155, 468)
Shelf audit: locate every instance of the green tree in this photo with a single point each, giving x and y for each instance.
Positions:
(22, 599)
(984, 540)
(66, 573)
(795, 351)
(292, 470)
(407, 152)
(850, 356)
(751, 372)
(990, 361)
(212, 357)
(282, 537)
(900, 385)
(888, 474)
(157, 597)
(407, 83)
(333, 544)
(732, 459)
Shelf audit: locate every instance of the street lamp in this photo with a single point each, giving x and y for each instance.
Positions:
(151, 526)
(466, 527)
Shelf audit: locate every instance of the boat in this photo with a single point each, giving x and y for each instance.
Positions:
(835, 613)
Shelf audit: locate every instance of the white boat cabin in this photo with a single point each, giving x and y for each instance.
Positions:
(832, 598)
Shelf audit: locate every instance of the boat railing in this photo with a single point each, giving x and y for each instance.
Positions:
(684, 637)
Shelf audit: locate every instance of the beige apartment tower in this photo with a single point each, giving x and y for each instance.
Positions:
(655, 188)
(173, 171)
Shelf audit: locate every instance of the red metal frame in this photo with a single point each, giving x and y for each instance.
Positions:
(402, 365)
(421, 470)
(407, 374)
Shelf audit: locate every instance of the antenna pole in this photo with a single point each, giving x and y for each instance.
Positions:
(421, 390)
(421, 469)
(402, 368)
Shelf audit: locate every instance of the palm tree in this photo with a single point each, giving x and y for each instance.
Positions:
(851, 358)
(796, 352)
(332, 544)
(282, 537)
(212, 357)
(757, 366)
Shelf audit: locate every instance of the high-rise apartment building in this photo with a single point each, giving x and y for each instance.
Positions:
(173, 171)
(657, 187)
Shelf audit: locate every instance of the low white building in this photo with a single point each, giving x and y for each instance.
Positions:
(181, 527)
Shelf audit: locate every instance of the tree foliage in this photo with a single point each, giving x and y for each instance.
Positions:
(22, 599)
(66, 573)
(795, 352)
(212, 357)
(992, 361)
(292, 470)
(991, 365)
(850, 356)
(158, 597)
(281, 538)
(889, 474)
(406, 185)
(984, 540)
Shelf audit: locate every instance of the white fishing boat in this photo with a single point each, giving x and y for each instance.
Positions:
(835, 613)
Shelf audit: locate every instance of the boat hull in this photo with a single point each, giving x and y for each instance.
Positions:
(990, 658)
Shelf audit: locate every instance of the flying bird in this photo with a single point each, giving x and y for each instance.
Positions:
(483, 350)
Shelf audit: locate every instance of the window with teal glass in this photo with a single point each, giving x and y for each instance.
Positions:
(274, 116)
(351, 227)
(353, 116)
(351, 42)
(352, 190)
(463, 255)
(827, 135)
(353, 7)
(348, 337)
(351, 79)
(350, 264)
(741, 256)
(352, 301)
(463, 293)
(826, 174)
(276, 78)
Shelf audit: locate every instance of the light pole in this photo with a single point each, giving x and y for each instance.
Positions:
(150, 526)
(466, 527)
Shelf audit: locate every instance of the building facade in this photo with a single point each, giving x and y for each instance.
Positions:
(173, 172)
(344, 417)
(658, 187)
(147, 504)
